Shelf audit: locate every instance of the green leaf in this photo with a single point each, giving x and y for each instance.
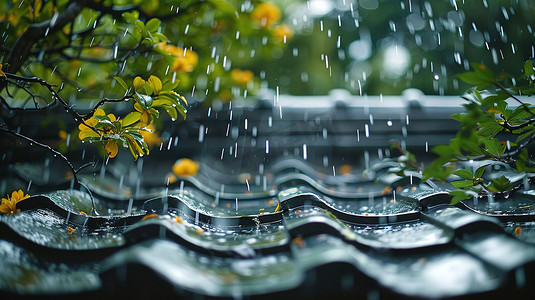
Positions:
(479, 172)
(463, 184)
(148, 88)
(464, 173)
(169, 85)
(161, 102)
(140, 27)
(483, 72)
(172, 97)
(520, 112)
(182, 110)
(144, 100)
(160, 36)
(131, 118)
(121, 82)
(104, 123)
(471, 78)
(493, 146)
(155, 114)
(153, 24)
(490, 128)
(437, 172)
(131, 17)
(171, 112)
(501, 184)
(223, 6)
(526, 133)
(459, 196)
(490, 100)
(528, 68)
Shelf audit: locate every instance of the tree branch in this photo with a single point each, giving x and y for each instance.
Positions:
(36, 32)
(504, 89)
(56, 152)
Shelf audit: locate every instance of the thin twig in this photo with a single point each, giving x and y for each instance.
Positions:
(504, 89)
(56, 152)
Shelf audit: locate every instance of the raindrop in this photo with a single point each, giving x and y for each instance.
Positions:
(201, 133)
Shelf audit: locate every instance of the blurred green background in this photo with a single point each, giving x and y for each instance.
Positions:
(386, 46)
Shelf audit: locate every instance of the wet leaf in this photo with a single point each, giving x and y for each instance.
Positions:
(501, 184)
(459, 196)
(479, 172)
(463, 184)
(464, 173)
(144, 100)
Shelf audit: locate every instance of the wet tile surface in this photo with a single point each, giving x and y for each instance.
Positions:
(288, 231)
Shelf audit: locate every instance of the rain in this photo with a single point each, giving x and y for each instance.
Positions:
(301, 156)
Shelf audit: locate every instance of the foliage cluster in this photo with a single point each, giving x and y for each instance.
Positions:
(113, 51)
(496, 126)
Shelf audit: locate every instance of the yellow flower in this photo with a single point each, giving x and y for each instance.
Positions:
(283, 32)
(185, 167)
(183, 60)
(2, 74)
(9, 205)
(171, 178)
(266, 14)
(151, 138)
(241, 76)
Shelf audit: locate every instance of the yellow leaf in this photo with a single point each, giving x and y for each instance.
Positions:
(2, 74)
(112, 148)
(155, 84)
(146, 118)
(87, 133)
(138, 83)
(134, 147)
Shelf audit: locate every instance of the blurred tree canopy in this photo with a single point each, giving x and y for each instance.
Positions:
(87, 56)
(383, 47)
